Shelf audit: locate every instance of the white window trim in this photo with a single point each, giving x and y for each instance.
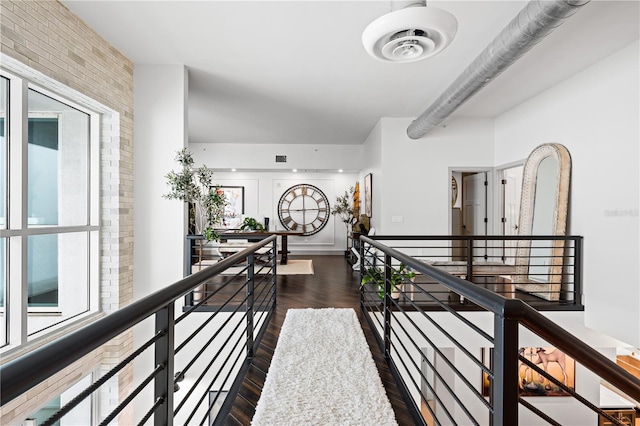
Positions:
(100, 115)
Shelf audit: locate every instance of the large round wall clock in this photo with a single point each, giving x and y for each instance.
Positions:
(304, 208)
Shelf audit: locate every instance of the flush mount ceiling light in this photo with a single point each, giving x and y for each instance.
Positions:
(410, 34)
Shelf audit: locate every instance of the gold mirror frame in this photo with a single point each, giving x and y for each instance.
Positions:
(551, 289)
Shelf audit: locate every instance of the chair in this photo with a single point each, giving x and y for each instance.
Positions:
(370, 252)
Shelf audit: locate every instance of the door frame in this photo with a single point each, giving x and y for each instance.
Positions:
(491, 212)
(499, 199)
(491, 203)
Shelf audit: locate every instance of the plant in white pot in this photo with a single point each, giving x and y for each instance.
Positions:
(195, 187)
(251, 224)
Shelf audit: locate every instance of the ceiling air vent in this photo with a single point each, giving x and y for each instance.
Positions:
(281, 158)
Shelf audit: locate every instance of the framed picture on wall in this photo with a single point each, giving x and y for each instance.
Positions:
(367, 195)
(552, 360)
(233, 211)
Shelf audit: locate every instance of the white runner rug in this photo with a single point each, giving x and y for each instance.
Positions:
(322, 373)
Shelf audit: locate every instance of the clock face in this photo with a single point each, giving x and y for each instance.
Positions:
(303, 208)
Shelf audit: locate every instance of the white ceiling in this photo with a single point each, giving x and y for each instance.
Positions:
(296, 71)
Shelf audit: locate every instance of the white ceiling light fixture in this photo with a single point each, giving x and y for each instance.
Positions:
(410, 34)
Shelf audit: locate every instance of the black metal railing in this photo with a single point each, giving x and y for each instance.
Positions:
(193, 359)
(465, 367)
(502, 264)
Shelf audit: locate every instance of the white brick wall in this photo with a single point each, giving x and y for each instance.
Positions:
(46, 37)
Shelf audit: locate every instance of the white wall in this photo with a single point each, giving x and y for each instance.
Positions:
(595, 114)
(262, 191)
(260, 156)
(315, 163)
(413, 194)
(160, 130)
(373, 164)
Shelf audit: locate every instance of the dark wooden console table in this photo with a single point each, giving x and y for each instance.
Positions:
(254, 236)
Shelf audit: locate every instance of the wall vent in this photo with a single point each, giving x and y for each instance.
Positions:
(281, 158)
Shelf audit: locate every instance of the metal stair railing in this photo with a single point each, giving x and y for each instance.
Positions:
(435, 376)
(225, 339)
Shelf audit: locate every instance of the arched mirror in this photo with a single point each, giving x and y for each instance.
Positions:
(543, 212)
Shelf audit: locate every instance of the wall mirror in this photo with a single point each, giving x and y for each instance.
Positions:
(543, 212)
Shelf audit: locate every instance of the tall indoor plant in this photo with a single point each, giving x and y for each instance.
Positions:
(195, 186)
(344, 208)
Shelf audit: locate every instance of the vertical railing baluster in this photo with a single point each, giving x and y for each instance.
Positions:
(361, 269)
(250, 294)
(188, 250)
(504, 386)
(274, 260)
(362, 251)
(387, 306)
(469, 259)
(577, 271)
(164, 351)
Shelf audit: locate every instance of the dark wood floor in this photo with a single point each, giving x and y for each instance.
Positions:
(334, 284)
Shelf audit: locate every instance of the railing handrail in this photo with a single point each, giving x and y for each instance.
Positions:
(476, 237)
(486, 299)
(516, 309)
(21, 374)
(575, 348)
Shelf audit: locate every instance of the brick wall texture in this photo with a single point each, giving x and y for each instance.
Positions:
(47, 37)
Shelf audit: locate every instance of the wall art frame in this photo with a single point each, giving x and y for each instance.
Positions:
(368, 195)
(550, 359)
(234, 209)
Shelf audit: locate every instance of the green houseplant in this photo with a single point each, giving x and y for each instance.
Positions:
(375, 276)
(195, 186)
(344, 207)
(250, 224)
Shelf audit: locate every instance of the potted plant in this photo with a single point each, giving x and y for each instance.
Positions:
(206, 202)
(375, 276)
(194, 186)
(250, 224)
(343, 207)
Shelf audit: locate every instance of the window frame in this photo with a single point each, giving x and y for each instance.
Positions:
(17, 230)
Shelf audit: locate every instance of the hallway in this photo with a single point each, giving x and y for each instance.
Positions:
(334, 284)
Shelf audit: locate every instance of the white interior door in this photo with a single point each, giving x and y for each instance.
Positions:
(474, 196)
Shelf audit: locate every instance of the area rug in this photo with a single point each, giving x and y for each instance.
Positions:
(322, 373)
(296, 267)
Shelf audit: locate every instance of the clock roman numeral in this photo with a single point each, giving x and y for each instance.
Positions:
(285, 205)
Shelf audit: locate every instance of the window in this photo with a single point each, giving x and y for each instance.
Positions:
(4, 87)
(48, 211)
(82, 414)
